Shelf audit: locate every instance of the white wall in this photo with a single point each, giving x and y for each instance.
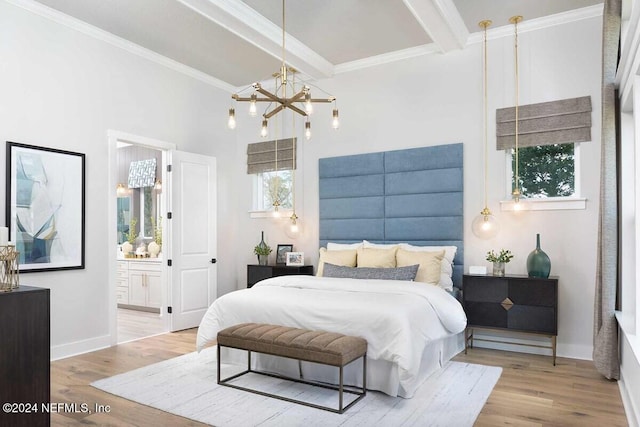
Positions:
(63, 89)
(437, 99)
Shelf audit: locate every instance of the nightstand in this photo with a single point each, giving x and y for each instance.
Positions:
(255, 273)
(511, 303)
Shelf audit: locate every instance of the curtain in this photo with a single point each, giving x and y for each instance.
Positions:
(605, 333)
(269, 156)
(556, 122)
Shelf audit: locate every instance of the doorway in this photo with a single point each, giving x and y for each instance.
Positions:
(138, 221)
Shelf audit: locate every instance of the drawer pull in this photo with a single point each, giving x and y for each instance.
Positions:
(507, 304)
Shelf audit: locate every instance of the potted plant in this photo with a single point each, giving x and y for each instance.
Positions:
(155, 246)
(131, 236)
(262, 250)
(499, 260)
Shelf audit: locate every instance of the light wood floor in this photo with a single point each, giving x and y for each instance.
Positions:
(134, 324)
(530, 392)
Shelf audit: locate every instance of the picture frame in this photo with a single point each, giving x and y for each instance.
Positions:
(295, 259)
(45, 207)
(281, 253)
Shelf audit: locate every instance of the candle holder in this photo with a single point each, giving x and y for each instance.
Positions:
(9, 279)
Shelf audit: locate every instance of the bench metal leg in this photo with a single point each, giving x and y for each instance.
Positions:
(341, 388)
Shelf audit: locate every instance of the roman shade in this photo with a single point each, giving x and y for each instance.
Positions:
(142, 174)
(547, 123)
(261, 156)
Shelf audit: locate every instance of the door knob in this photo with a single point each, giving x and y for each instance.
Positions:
(213, 260)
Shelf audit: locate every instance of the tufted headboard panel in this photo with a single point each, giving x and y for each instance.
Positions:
(413, 195)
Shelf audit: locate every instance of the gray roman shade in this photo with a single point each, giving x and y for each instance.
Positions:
(261, 156)
(142, 173)
(547, 123)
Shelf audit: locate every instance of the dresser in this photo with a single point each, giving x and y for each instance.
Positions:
(511, 303)
(255, 272)
(25, 355)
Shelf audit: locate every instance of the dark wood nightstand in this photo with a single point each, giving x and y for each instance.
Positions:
(255, 273)
(511, 303)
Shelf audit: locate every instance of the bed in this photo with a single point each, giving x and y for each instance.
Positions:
(409, 199)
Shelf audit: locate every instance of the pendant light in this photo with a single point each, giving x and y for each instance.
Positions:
(485, 225)
(516, 194)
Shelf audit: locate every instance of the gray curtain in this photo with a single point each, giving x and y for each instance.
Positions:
(605, 334)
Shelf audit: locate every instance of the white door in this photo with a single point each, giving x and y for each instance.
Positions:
(192, 229)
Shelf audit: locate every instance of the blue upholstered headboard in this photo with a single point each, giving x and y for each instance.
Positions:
(413, 196)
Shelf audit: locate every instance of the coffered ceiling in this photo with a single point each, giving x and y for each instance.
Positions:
(234, 43)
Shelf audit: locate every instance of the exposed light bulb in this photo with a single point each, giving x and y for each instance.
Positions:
(265, 131)
(253, 110)
(307, 130)
(231, 124)
(308, 106)
(336, 120)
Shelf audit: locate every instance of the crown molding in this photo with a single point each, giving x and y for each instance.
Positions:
(495, 33)
(92, 31)
(385, 58)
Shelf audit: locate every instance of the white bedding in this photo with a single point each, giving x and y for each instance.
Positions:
(398, 319)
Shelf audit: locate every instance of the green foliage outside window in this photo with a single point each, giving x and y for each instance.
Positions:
(277, 186)
(546, 171)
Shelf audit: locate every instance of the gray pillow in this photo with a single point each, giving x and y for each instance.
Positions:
(398, 273)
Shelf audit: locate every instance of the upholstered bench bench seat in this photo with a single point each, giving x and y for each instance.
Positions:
(327, 348)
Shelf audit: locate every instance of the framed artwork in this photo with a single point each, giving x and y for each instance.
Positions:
(295, 258)
(45, 198)
(281, 254)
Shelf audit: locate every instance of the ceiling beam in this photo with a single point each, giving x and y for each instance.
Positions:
(441, 21)
(245, 22)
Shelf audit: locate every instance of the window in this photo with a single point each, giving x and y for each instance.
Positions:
(546, 171)
(271, 163)
(272, 186)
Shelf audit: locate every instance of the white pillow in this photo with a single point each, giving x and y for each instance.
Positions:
(331, 246)
(368, 244)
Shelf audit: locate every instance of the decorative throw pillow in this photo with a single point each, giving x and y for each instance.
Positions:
(398, 273)
(377, 258)
(346, 258)
(446, 267)
(430, 264)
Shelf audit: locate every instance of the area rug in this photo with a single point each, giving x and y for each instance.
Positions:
(186, 386)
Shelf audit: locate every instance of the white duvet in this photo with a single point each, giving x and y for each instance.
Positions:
(397, 318)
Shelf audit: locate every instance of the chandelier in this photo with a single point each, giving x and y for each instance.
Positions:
(299, 101)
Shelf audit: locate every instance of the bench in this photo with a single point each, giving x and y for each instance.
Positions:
(321, 347)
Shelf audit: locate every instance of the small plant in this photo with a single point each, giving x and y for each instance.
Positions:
(131, 236)
(262, 250)
(503, 256)
(157, 231)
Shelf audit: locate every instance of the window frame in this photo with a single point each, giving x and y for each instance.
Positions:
(258, 196)
(573, 202)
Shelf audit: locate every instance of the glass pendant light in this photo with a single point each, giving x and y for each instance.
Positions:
(336, 121)
(485, 225)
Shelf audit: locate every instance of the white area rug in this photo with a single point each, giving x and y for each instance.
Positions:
(186, 386)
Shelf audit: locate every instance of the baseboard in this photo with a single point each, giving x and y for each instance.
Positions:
(521, 340)
(630, 408)
(80, 347)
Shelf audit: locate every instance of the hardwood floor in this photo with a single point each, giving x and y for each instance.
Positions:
(134, 324)
(533, 392)
(530, 392)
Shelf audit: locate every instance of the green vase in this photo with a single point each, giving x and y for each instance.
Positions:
(538, 263)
